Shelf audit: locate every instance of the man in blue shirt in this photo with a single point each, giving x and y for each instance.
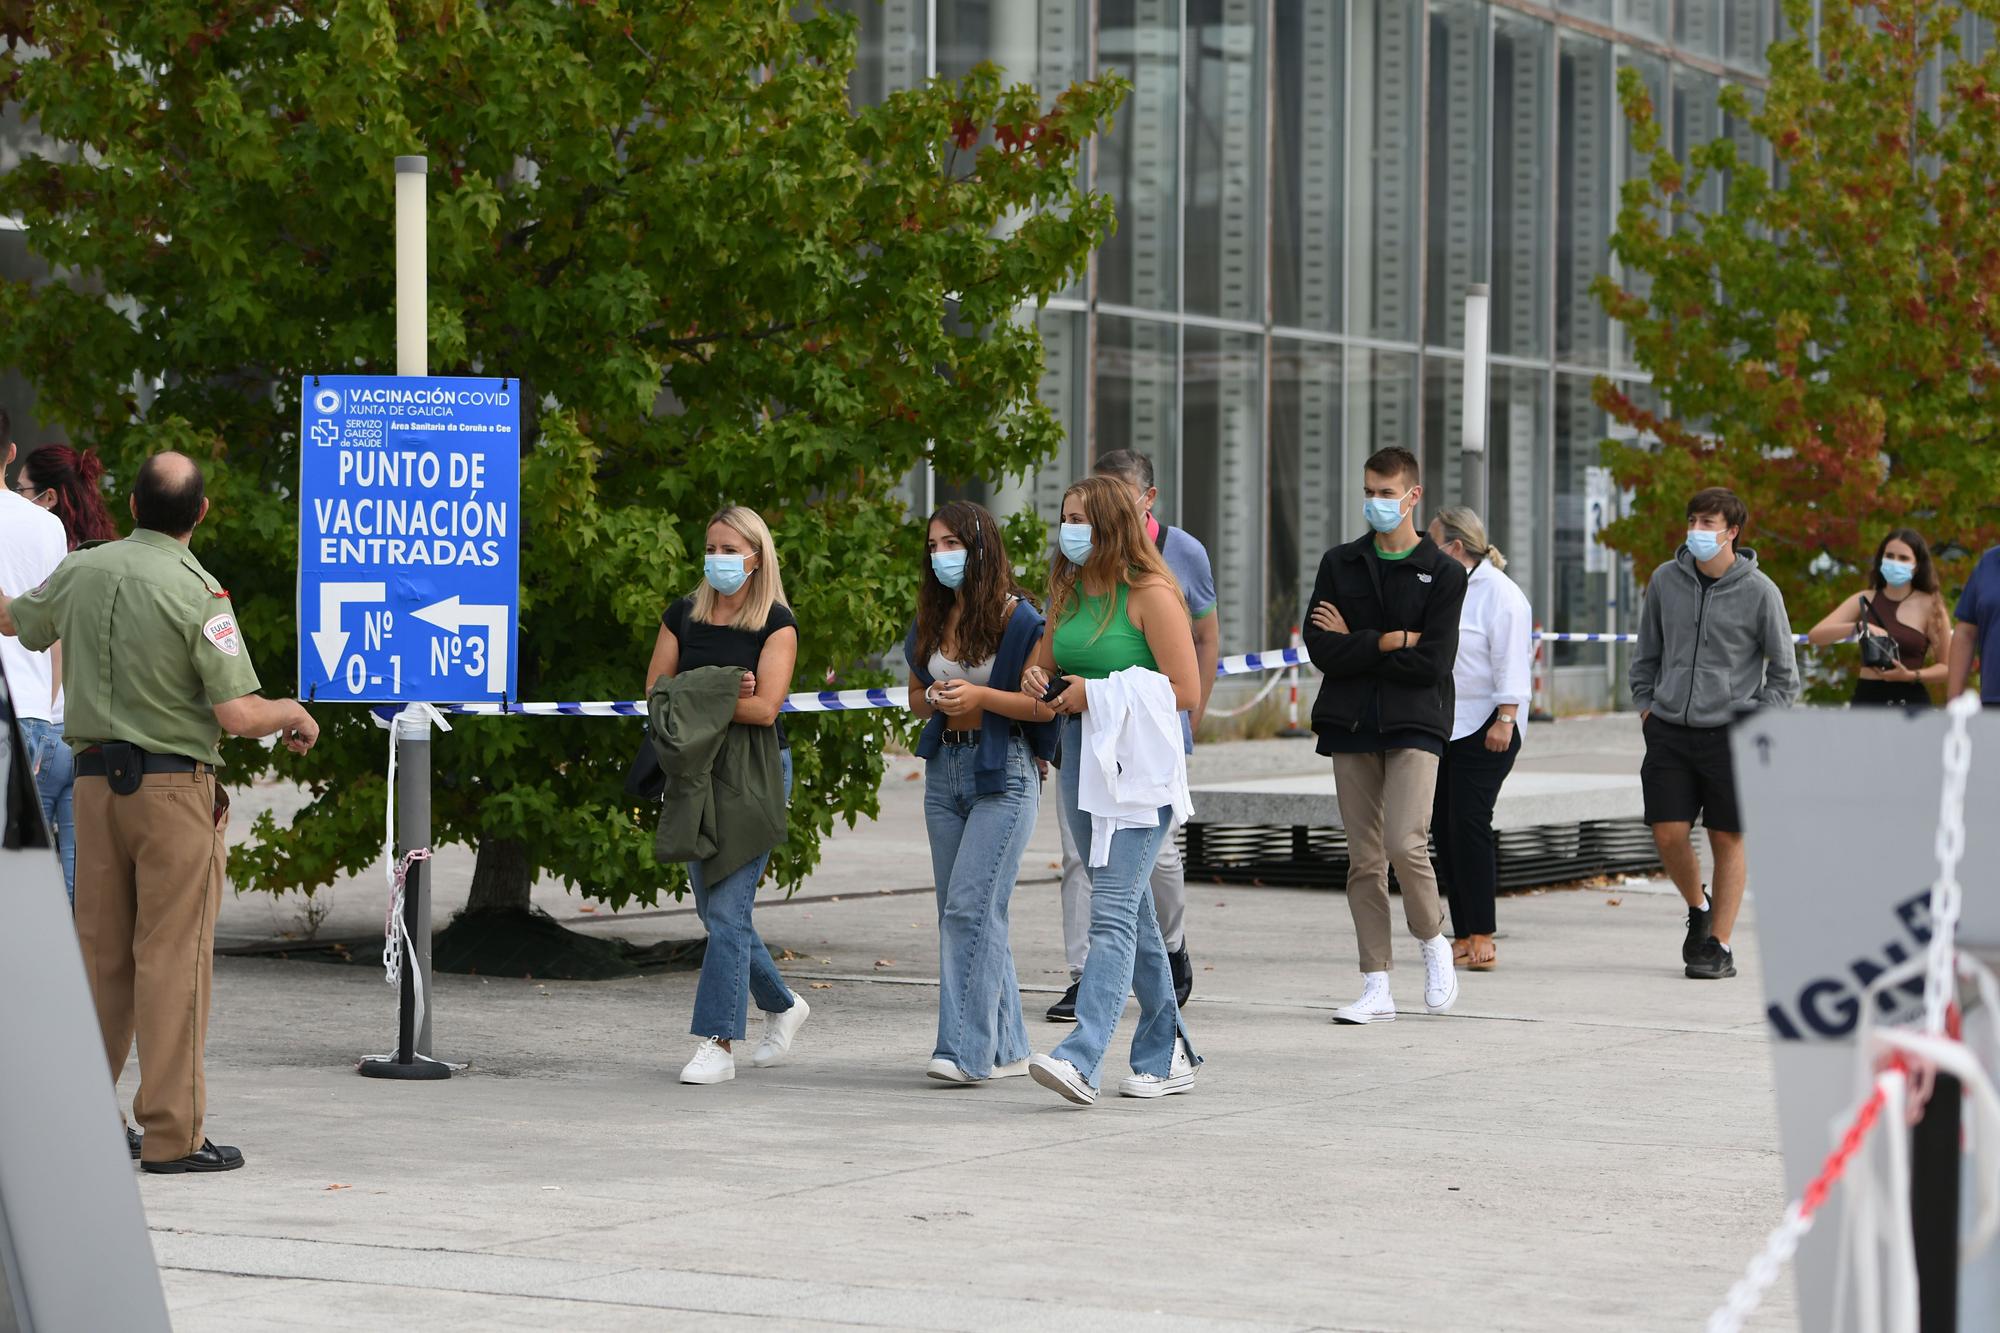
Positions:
(1976, 636)
(1188, 559)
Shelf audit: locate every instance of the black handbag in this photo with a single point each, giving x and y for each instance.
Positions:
(645, 779)
(1878, 651)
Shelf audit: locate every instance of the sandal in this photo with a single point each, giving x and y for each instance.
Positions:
(1480, 955)
(1461, 951)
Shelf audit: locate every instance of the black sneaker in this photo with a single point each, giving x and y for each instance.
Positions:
(1182, 967)
(1699, 919)
(133, 1140)
(1064, 1010)
(1713, 962)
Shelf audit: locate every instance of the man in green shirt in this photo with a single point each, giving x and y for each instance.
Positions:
(155, 671)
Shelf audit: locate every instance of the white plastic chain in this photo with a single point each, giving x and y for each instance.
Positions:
(1947, 897)
(396, 941)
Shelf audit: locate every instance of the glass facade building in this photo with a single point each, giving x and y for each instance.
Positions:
(1306, 189)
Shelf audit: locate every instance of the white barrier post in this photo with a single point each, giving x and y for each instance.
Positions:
(1293, 731)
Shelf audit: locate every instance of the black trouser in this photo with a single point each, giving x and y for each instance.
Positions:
(1890, 693)
(1468, 859)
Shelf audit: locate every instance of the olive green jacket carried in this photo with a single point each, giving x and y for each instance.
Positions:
(725, 798)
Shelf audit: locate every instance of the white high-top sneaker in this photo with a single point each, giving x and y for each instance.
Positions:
(1375, 1004)
(1440, 977)
(711, 1064)
(1180, 1077)
(779, 1029)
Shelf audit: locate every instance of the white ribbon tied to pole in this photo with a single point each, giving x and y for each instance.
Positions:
(397, 945)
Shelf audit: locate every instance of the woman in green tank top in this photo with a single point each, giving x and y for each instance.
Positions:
(1115, 605)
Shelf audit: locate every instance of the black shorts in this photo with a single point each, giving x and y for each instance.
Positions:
(1688, 772)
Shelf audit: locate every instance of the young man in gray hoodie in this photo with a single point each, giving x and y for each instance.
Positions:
(1714, 642)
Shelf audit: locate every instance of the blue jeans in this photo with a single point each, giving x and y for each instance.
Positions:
(55, 779)
(1127, 954)
(976, 847)
(736, 966)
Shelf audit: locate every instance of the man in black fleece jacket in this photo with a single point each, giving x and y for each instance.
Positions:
(1383, 627)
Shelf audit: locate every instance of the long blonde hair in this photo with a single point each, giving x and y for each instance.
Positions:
(766, 587)
(1460, 524)
(1119, 551)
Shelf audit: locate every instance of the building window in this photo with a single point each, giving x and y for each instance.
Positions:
(1308, 251)
(1460, 99)
(1523, 94)
(1385, 149)
(1308, 512)
(1584, 198)
(1137, 371)
(895, 45)
(1138, 160)
(1225, 155)
(1222, 472)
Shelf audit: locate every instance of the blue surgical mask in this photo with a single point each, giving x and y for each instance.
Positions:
(949, 566)
(725, 573)
(1384, 515)
(1895, 573)
(1075, 542)
(1703, 544)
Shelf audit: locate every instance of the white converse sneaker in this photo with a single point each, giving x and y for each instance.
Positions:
(779, 1029)
(1060, 1076)
(711, 1064)
(1180, 1077)
(1375, 1004)
(1440, 977)
(1019, 1069)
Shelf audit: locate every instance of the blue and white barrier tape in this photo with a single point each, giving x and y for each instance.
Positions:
(844, 701)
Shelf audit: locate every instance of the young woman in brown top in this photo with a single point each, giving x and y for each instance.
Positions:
(1903, 606)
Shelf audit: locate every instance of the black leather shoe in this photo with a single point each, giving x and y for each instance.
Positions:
(1182, 967)
(133, 1138)
(207, 1158)
(1064, 1010)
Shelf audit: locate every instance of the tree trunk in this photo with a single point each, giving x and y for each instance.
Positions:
(501, 877)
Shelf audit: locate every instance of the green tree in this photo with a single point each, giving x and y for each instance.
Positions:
(721, 281)
(1829, 345)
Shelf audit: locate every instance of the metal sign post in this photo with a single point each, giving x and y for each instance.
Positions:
(409, 570)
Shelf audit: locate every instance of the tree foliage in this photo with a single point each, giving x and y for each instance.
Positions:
(720, 281)
(1827, 345)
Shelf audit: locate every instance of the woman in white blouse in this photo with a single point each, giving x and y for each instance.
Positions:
(1495, 652)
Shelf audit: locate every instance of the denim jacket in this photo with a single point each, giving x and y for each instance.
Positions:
(989, 764)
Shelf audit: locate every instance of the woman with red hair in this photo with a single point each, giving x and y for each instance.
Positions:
(65, 483)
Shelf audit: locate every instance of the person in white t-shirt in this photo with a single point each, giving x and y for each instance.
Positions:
(1492, 679)
(32, 544)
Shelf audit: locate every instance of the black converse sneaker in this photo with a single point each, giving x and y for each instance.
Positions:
(1064, 1010)
(1713, 963)
(1699, 921)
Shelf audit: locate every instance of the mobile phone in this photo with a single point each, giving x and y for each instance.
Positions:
(1057, 684)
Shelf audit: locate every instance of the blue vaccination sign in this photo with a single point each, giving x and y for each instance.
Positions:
(409, 538)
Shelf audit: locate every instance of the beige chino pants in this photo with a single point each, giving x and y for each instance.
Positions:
(1385, 805)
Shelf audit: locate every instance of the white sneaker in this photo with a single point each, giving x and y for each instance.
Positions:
(945, 1071)
(711, 1064)
(1375, 1004)
(1440, 977)
(779, 1030)
(1060, 1076)
(1180, 1077)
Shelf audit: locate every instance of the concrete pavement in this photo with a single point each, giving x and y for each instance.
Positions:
(1587, 1143)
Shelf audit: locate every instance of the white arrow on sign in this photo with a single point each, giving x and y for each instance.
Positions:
(330, 638)
(453, 616)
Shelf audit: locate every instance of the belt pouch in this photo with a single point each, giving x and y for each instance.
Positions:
(124, 766)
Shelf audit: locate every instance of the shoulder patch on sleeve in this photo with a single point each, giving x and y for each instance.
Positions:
(221, 631)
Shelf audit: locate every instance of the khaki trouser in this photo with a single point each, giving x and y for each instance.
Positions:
(1385, 804)
(149, 872)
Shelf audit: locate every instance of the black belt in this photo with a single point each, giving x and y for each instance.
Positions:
(91, 763)
(950, 737)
